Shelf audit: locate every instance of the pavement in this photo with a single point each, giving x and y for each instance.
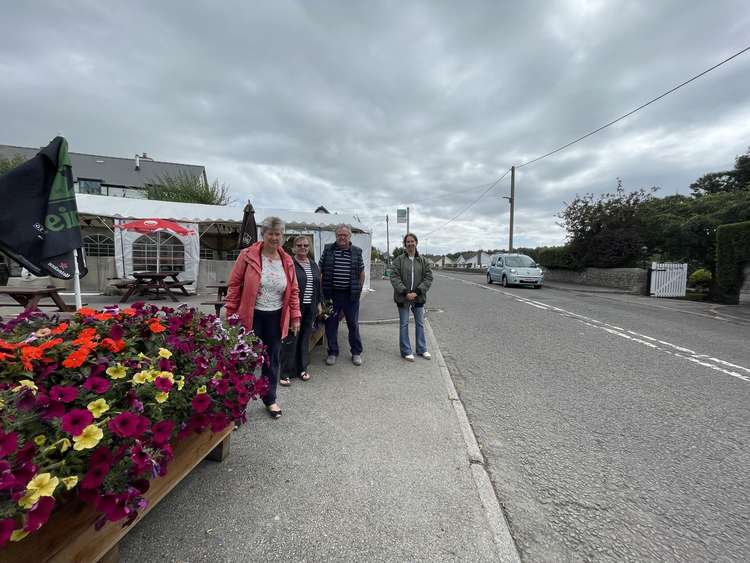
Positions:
(369, 463)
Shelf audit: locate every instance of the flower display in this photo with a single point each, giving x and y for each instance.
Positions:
(92, 406)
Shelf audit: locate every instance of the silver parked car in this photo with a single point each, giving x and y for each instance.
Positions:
(515, 269)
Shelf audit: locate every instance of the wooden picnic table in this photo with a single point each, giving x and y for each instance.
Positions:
(153, 283)
(29, 298)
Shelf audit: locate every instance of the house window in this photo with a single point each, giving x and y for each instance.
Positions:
(99, 245)
(90, 186)
(164, 248)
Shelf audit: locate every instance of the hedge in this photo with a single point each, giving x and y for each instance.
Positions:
(557, 258)
(732, 252)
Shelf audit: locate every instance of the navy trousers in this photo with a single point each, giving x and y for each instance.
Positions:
(344, 302)
(267, 327)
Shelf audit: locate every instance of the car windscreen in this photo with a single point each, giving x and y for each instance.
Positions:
(520, 262)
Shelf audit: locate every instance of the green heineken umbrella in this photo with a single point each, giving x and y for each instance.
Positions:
(39, 225)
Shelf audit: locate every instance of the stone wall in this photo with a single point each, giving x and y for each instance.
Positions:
(629, 279)
(377, 270)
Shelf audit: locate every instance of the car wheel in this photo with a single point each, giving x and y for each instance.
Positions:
(538, 286)
(489, 278)
(505, 281)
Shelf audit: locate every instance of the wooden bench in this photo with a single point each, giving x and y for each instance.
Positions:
(29, 298)
(217, 306)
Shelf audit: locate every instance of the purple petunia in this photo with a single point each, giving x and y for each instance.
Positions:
(76, 420)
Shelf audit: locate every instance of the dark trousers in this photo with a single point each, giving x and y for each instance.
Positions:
(344, 302)
(267, 327)
(295, 350)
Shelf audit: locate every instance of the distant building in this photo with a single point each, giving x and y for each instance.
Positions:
(114, 176)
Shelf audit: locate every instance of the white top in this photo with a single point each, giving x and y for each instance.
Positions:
(412, 272)
(272, 285)
(307, 297)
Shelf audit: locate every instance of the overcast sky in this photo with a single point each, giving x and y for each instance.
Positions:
(365, 107)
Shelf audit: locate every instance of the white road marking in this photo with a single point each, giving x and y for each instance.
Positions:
(716, 364)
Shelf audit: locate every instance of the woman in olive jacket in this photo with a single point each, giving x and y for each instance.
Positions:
(411, 278)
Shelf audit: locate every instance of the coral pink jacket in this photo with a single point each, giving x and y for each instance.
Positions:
(244, 282)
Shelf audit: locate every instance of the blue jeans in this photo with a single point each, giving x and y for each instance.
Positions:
(344, 302)
(403, 332)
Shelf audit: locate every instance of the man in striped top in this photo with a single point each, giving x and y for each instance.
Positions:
(343, 275)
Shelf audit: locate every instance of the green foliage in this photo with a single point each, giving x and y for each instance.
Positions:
(700, 278)
(8, 164)
(397, 251)
(375, 254)
(187, 188)
(605, 232)
(726, 181)
(733, 252)
(530, 252)
(556, 258)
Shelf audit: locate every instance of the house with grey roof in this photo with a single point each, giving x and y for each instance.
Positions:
(114, 176)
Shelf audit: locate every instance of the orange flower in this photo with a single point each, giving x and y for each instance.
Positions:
(87, 337)
(76, 359)
(103, 316)
(9, 345)
(129, 312)
(114, 345)
(4, 356)
(59, 329)
(156, 327)
(29, 353)
(86, 312)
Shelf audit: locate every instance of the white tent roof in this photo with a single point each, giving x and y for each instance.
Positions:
(133, 208)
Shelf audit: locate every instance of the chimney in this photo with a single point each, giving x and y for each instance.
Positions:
(137, 162)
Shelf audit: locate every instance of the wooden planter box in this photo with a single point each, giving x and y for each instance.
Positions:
(69, 535)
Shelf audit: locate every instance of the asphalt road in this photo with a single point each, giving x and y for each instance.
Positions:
(615, 428)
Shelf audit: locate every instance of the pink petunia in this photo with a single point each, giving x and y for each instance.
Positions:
(113, 506)
(55, 409)
(201, 402)
(95, 476)
(97, 384)
(163, 384)
(39, 514)
(125, 425)
(64, 394)
(162, 431)
(219, 422)
(7, 525)
(8, 443)
(76, 420)
(101, 454)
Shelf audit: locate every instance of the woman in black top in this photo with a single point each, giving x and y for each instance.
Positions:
(297, 352)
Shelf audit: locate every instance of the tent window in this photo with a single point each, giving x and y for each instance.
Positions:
(231, 254)
(90, 186)
(170, 252)
(99, 245)
(206, 253)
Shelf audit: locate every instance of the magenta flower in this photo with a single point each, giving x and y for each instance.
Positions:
(141, 460)
(142, 426)
(64, 394)
(97, 384)
(101, 455)
(55, 409)
(39, 514)
(7, 525)
(76, 420)
(95, 476)
(116, 332)
(163, 384)
(125, 425)
(219, 421)
(162, 431)
(8, 443)
(201, 402)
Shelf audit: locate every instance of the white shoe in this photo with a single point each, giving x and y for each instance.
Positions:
(426, 355)
(409, 357)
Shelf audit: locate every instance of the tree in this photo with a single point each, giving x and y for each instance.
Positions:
(375, 254)
(604, 232)
(8, 164)
(187, 188)
(397, 251)
(735, 180)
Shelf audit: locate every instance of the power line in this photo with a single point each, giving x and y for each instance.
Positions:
(565, 146)
(471, 204)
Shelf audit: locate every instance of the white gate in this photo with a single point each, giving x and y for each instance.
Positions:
(668, 280)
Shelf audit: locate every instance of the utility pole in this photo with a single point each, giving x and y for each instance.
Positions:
(407, 220)
(387, 242)
(512, 201)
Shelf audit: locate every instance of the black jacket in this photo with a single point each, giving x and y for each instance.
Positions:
(302, 281)
(326, 266)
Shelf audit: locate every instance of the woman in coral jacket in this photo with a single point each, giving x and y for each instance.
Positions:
(263, 292)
